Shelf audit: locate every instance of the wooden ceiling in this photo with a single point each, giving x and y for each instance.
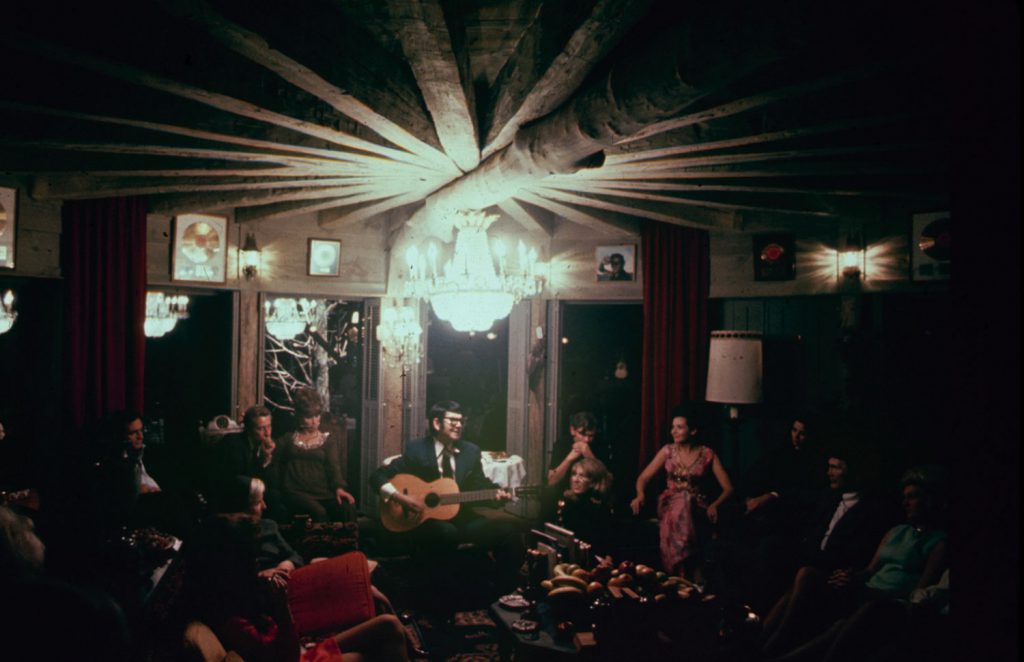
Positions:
(599, 113)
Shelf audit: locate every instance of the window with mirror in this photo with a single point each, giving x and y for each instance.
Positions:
(318, 343)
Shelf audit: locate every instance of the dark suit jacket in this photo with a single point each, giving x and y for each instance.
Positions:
(854, 540)
(419, 460)
(239, 458)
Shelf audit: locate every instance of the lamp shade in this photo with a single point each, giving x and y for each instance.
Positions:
(735, 367)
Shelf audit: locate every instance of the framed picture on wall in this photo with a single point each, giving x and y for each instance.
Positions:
(8, 222)
(324, 257)
(929, 246)
(199, 252)
(774, 256)
(616, 263)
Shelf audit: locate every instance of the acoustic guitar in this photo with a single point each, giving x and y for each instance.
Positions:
(441, 497)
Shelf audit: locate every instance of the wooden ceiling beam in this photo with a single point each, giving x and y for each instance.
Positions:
(747, 141)
(701, 202)
(433, 41)
(571, 214)
(76, 187)
(215, 136)
(531, 223)
(209, 201)
(365, 212)
(321, 59)
(136, 76)
(552, 58)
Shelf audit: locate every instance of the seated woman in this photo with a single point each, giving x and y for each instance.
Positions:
(308, 466)
(910, 556)
(251, 616)
(686, 511)
(585, 508)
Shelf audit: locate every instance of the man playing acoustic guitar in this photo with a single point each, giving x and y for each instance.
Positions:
(444, 454)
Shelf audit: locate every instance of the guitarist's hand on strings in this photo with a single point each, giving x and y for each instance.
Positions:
(502, 495)
(407, 502)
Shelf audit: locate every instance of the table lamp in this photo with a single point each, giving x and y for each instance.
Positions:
(735, 369)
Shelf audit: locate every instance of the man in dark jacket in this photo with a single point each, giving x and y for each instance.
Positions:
(249, 454)
(445, 454)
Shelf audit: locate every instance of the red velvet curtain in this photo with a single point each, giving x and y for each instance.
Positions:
(104, 266)
(676, 269)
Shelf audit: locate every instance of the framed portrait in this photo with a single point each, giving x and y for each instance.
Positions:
(324, 257)
(930, 246)
(615, 263)
(199, 252)
(774, 256)
(8, 223)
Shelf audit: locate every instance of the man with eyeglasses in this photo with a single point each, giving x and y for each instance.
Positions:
(445, 454)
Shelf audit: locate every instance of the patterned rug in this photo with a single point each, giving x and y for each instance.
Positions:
(474, 638)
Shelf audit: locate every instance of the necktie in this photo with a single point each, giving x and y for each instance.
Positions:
(446, 464)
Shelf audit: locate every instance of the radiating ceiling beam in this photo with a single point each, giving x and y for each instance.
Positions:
(556, 52)
(434, 45)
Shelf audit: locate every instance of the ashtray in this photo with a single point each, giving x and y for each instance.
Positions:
(524, 626)
(513, 601)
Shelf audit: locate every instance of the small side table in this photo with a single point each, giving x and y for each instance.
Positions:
(536, 646)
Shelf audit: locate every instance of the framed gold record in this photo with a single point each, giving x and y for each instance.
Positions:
(199, 252)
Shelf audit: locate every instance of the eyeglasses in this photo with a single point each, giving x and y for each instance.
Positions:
(455, 420)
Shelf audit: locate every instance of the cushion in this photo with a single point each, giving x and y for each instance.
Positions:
(332, 595)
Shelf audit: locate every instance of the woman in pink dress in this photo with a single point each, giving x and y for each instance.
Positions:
(685, 505)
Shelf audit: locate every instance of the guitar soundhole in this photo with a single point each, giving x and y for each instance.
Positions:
(432, 500)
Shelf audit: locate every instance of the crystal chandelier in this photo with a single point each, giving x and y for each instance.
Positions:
(286, 318)
(476, 286)
(7, 313)
(399, 334)
(163, 313)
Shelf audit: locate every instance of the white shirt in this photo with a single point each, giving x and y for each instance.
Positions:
(847, 501)
(439, 454)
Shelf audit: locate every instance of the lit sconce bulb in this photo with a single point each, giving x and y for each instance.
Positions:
(565, 340)
(355, 317)
(8, 298)
(491, 335)
(539, 332)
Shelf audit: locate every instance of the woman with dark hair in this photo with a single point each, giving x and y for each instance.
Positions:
(251, 616)
(910, 556)
(309, 466)
(685, 508)
(585, 508)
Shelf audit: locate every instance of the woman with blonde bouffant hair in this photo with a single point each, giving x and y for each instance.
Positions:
(309, 466)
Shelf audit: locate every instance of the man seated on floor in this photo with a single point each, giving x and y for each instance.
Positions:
(445, 454)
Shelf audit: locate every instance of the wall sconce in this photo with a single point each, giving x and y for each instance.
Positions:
(850, 259)
(250, 256)
(7, 313)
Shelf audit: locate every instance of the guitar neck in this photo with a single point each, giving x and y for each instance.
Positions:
(468, 497)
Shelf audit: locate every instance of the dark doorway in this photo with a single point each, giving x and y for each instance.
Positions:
(471, 369)
(600, 372)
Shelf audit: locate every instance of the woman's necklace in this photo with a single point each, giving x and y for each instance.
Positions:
(678, 461)
(310, 440)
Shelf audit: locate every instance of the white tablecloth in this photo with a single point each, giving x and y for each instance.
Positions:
(507, 471)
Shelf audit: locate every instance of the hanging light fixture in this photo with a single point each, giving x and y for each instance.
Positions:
(250, 256)
(163, 313)
(7, 312)
(477, 285)
(399, 334)
(285, 318)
